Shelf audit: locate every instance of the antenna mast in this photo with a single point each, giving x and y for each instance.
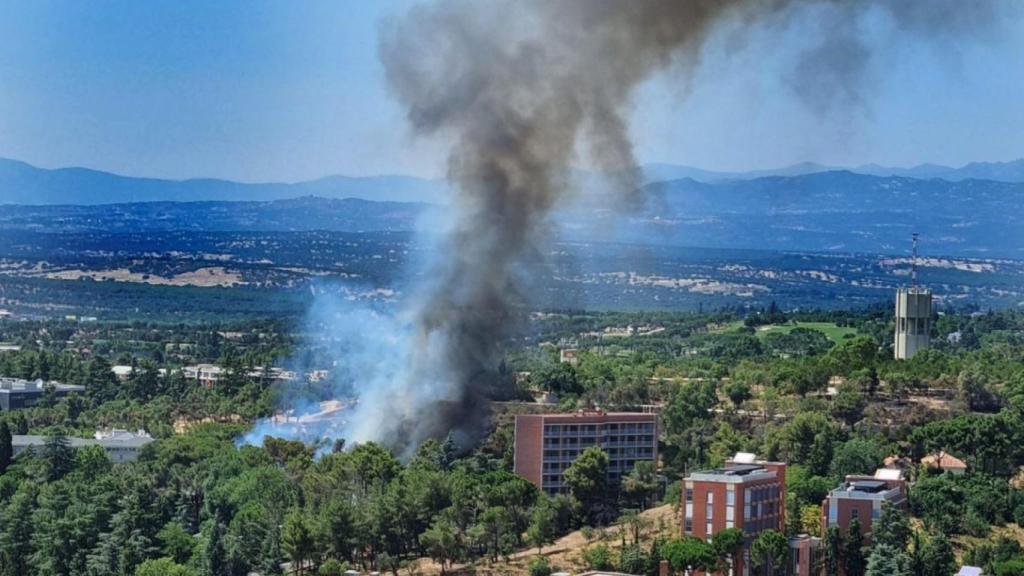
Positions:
(913, 263)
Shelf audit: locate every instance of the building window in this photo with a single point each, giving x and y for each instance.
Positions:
(855, 514)
(689, 494)
(730, 498)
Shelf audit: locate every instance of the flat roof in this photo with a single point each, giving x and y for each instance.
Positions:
(135, 441)
(868, 485)
(591, 417)
(738, 473)
(33, 389)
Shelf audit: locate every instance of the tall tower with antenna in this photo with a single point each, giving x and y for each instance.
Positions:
(913, 314)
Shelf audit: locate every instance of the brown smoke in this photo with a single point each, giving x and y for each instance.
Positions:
(519, 87)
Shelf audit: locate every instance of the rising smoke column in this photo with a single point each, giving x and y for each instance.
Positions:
(516, 85)
(519, 87)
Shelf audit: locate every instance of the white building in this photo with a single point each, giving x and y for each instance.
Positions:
(120, 445)
(206, 374)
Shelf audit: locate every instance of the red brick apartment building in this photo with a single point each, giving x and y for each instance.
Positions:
(745, 494)
(547, 444)
(862, 497)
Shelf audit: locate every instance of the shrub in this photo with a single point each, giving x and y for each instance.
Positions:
(539, 566)
(332, 567)
(598, 557)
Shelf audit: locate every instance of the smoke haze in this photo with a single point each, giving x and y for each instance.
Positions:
(521, 90)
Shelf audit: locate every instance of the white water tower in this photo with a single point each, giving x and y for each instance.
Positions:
(913, 315)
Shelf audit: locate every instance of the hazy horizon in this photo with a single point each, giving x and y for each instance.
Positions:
(262, 92)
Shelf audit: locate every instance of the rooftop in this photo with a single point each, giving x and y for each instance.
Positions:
(104, 438)
(743, 467)
(8, 385)
(873, 486)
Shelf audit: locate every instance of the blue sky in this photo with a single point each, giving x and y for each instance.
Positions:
(262, 91)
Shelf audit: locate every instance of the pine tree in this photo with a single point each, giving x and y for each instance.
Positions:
(888, 561)
(6, 449)
(17, 536)
(215, 561)
(853, 553)
(833, 551)
(59, 457)
(892, 529)
(938, 556)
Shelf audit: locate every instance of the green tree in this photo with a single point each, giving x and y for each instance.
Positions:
(441, 542)
(938, 556)
(1011, 567)
(543, 528)
(853, 551)
(632, 559)
(854, 456)
(598, 557)
(559, 377)
(497, 531)
(689, 554)
(163, 567)
(888, 561)
(833, 551)
(849, 403)
(6, 449)
(16, 539)
(586, 479)
(892, 528)
(639, 486)
(215, 561)
(769, 551)
(58, 455)
(738, 392)
(176, 543)
(297, 540)
(331, 567)
(539, 566)
(728, 544)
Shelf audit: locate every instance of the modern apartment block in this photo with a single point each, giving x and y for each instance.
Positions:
(862, 497)
(547, 444)
(746, 493)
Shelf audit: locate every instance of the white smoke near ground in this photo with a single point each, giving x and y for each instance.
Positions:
(519, 89)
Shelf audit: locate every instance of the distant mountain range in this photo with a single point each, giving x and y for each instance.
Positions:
(823, 212)
(22, 183)
(999, 171)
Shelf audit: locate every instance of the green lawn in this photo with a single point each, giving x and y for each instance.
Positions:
(834, 333)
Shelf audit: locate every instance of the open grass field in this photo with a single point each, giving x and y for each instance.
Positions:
(834, 333)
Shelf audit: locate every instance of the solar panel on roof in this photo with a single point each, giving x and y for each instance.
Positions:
(743, 469)
(869, 485)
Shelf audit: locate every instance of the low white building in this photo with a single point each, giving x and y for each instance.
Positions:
(206, 374)
(120, 445)
(122, 372)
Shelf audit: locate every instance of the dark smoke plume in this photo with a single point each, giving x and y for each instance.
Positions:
(520, 88)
